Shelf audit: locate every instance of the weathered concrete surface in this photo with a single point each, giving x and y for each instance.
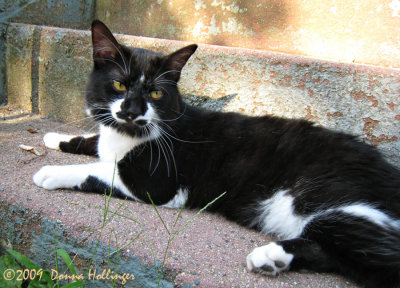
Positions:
(359, 99)
(64, 13)
(350, 31)
(20, 66)
(3, 78)
(60, 13)
(210, 252)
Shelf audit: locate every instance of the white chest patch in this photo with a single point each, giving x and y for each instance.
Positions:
(113, 145)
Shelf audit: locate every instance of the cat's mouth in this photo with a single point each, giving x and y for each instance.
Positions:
(126, 117)
(129, 119)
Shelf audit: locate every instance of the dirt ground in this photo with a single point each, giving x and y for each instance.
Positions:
(209, 252)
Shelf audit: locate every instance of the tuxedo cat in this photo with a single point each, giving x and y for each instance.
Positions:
(332, 201)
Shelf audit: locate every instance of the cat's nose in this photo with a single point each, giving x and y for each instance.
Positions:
(132, 114)
(133, 108)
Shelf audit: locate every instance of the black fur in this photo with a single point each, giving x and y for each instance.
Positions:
(250, 158)
(81, 145)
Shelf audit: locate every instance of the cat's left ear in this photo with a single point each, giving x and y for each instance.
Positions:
(177, 60)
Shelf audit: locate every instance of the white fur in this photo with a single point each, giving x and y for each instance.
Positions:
(179, 199)
(115, 107)
(141, 79)
(277, 217)
(149, 115)
(114, 145)
(70, 176)
(370, 213)
(52, 140)
(269, 255)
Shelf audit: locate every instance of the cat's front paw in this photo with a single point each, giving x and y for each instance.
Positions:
(269, 259)
(52, 140)
(47, 178)
(54, 177)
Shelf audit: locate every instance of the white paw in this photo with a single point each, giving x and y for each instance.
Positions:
(52, 140)
(54, 177)
(269, 259)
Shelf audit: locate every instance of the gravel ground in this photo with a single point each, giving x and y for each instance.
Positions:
(210, 252)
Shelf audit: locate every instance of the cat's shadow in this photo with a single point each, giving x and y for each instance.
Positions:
(216, 104)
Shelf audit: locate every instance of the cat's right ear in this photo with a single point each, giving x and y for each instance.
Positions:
(105, 46)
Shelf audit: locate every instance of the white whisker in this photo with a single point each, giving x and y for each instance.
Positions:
(162, 74)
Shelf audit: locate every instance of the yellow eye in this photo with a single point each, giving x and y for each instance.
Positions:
(119, 86)
(156, 94)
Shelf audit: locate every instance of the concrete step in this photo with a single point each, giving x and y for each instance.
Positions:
(47, 69)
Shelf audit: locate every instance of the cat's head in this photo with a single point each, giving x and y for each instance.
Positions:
(132, 88)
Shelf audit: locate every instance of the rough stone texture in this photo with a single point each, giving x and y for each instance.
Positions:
(64, 13)
(350, 31)
(359, 99)
(60, 13)
(20, 65)
(209, 252)
(64, 68)
(3, 69)
(35, 236)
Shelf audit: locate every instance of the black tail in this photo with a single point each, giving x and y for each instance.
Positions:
(352, 246)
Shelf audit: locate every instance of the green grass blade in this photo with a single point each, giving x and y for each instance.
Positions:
(25, 261)
(74, 285)
(29, 264)
(129, 243)
(64, 255)
(158, 214)
(179, 214)
(55, 256)
(195, 216)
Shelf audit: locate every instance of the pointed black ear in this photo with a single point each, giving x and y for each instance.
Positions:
(177, 60)
(104, 44)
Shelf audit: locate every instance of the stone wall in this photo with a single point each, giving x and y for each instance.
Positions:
(361, 31)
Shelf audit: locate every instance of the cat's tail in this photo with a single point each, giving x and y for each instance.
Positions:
(359, 242)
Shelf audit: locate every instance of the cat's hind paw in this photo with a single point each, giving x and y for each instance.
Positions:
(52, 140)
(269, 259)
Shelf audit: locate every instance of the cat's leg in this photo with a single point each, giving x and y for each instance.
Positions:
(366, 251)
(85, 144)
(293, 254)
(99, 177)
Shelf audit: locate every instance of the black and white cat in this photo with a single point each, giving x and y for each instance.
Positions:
(333, 201)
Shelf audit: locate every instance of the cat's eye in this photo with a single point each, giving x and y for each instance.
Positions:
(119, 86)
(156, 94)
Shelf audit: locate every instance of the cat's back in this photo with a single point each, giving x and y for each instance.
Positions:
(277, 152)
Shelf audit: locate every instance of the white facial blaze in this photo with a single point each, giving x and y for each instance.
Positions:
(115, 108)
